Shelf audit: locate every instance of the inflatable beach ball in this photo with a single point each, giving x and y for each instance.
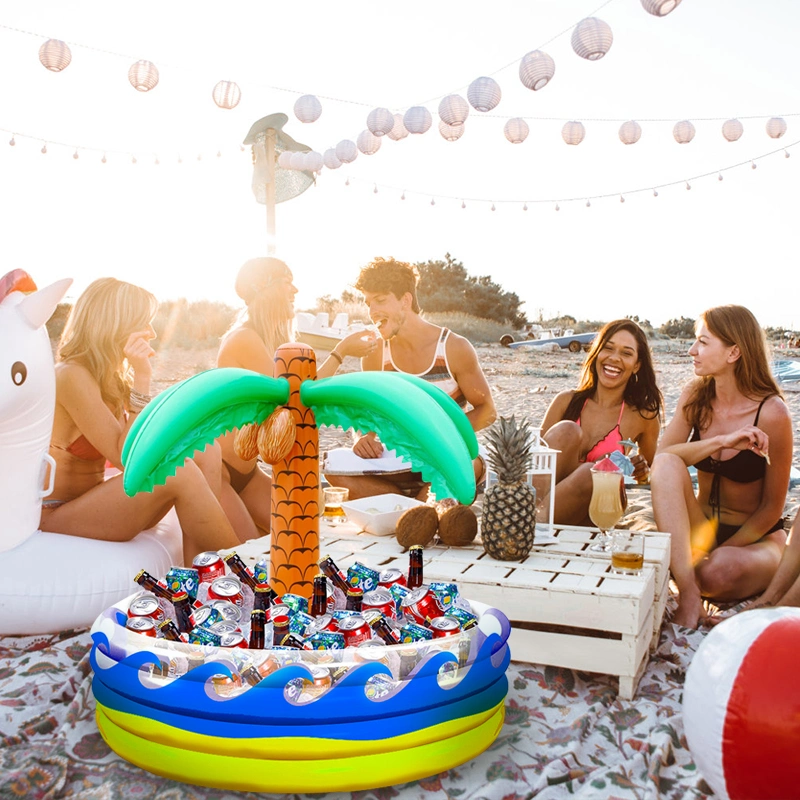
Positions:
(741, 706)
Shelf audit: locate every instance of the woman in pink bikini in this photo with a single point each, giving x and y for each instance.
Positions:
(103, 376)
(617, 400)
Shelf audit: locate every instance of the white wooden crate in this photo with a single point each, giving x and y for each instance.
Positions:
(565, 605)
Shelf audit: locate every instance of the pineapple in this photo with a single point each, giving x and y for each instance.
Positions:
(509, 506)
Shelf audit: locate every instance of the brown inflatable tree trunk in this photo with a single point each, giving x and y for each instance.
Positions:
(294, 548)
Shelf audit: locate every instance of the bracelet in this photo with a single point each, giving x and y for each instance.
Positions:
(336, 355)
(137, 401)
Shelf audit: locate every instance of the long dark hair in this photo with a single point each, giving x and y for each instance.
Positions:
(641, 391)
(735, 325)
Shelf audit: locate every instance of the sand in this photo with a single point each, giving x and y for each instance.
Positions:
(524, 381)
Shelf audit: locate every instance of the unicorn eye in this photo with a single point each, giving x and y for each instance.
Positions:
(19, 372)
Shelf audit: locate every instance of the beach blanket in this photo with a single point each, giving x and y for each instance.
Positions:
(566, 734)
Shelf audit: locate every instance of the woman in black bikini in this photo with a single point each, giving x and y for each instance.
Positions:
(731, 423)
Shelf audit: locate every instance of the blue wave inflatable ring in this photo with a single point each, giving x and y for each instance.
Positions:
(184, 712)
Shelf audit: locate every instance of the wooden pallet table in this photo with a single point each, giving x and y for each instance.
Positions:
(566, 607)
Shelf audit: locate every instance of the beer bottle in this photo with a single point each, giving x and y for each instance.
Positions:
(147, 581)
(319, 597)
(294, 641)
(414, 566)
(183, 611)
(257, 625)
(169, 630)
(383, 629)
(329, 568)
(263, 595)
(280, 629)
(239, 568)
(355, 597)
(252, 675)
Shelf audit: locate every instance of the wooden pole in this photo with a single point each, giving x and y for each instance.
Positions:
(270, 148)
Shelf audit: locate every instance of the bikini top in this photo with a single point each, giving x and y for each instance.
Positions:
(438, 373)
(610, 443)
(83, 449)
(744, 467)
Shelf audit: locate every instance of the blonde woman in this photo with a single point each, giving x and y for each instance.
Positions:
(103, 374)
(731, 423)
(266, 286)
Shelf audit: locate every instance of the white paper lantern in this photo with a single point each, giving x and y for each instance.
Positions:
(451, 133)
(732, 130)
(307, 108)
(453, 110)
(399, 131)
(573, 132)
(630, 132)
(330, 159)
(314, 161)
(484, 94)
(660, 8)
(380, 121)
(516, 130)
(417, 119)
(367, 143)
(298, 160)
(776, 127)
(55, 55)
(143, 76)
(592, 38)
(227, 94)
(285, 159)
(536, 69)
(346, 151)
(683, 132)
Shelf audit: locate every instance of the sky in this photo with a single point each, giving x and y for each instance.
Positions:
(183, 228)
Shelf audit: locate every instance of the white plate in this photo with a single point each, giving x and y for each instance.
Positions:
(379, 514)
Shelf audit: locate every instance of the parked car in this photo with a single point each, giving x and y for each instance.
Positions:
(536, 336)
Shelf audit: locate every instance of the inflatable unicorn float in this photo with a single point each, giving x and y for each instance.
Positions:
(49, 581)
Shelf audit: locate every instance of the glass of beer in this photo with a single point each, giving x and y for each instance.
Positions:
(608, 501)
(627, 552)
(333, 497)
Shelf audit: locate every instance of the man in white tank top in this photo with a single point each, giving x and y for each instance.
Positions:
(417, 347)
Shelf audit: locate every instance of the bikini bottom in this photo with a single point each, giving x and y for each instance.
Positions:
(239, 480)
(724, 532)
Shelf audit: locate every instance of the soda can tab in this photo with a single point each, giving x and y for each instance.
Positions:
(261, 570)
(326, 640)
(420, 604)
(227, 588)
(229, 612)
(380, 599)
(299, 621)
(398, 591)
(363, 577)
(183, 579)
(144, 625)
(390, 576)
(319, 624)
(204, 636)
(146, 605)
(232, 639)
(355, 630)
(371, 652)
(223, 627)
(412, 632)
(205, 616)
(444, 626)
(465, 618)
(294, 601)
(378, 686)
(209, 566)
(446, 593)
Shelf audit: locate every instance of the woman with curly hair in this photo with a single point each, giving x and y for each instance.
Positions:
(103, 374)
(617, 400)
(731, 423)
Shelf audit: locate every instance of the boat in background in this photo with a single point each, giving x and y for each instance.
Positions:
(787, 373)
(317, 330)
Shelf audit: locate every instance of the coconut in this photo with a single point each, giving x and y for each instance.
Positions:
(417, 526)
(458, 526)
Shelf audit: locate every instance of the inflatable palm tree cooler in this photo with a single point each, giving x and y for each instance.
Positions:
(301, 720)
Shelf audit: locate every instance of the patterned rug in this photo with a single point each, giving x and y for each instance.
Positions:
(566, 735)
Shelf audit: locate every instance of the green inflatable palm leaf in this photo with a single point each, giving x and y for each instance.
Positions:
(417, 420)
(189, 416)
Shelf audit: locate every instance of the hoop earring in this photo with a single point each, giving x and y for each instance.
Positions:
(636, 377)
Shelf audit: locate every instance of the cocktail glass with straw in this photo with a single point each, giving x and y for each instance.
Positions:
(608, 501)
